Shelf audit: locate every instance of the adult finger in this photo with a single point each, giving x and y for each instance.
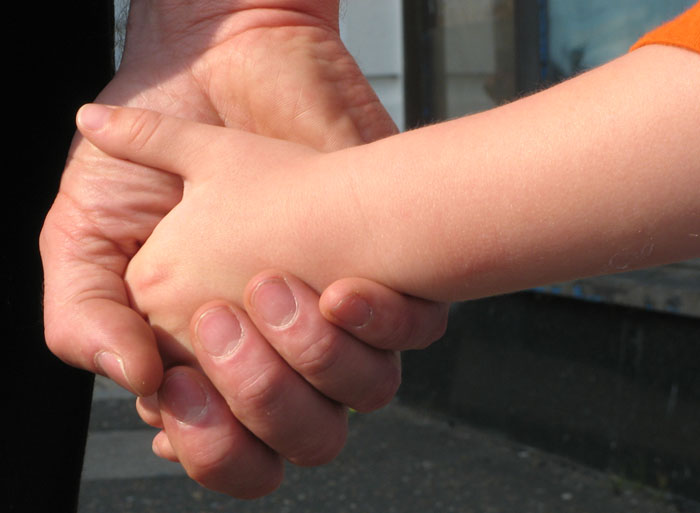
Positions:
(214, 448)
(148, 409)
(88, 321)
(285, 311)
(382, 317)
(262, 391)
(163, 448)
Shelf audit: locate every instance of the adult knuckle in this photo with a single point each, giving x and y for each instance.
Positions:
(57, 339)
(208, 462)
(264, 391)
(382, 392)
(220, 470)
(440, 326)
(389, 387)
(420, 330)
(259, 486)
(319, 355)
(320, 450)
(434, 327)
(60, 337)
(400, 332)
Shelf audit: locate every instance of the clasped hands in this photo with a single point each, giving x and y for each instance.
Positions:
(258, 366)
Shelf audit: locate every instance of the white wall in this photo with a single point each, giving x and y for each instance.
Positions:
(373, 32)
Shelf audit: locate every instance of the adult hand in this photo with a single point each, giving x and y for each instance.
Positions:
(279, 70)
(248, 379)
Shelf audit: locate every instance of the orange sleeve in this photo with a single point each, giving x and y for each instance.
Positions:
(684, 31)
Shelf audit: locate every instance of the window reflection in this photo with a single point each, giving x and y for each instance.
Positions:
(464, 56)
(586, 34)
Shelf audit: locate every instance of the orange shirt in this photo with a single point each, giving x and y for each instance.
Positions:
(684, 31)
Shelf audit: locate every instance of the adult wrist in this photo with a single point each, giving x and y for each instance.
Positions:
(167, 21)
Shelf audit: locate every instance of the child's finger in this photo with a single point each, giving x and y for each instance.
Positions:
(153, 139)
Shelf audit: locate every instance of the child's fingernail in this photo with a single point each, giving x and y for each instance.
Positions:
(112, 366)
(353, 311)
(93, 116)
(155, 447)
(275, 302)
(219, 331)
(184, 398)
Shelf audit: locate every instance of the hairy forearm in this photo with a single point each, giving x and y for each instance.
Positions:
(598, 175)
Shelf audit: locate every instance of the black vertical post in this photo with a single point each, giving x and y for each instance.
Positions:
(424, 58)
(531, 44)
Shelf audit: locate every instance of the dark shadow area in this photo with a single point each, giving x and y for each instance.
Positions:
(58, 58)
(613, 387)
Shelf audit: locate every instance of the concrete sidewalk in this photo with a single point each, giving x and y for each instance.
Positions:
(396, 460)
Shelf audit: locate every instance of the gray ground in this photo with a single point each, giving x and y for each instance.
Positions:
(396, 460)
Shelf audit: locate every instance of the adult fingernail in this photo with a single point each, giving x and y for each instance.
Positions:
(157, 444)
(184, 398)
(275, 302)
(219, 331)
(93, 116)
(162, 447)
(353, 311)
(149, 405)
(112, 366)
(395, 358)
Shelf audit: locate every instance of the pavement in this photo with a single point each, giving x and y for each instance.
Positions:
(396, 460)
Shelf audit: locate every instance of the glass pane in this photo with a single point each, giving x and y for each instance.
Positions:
(586, 34)
(479, 54)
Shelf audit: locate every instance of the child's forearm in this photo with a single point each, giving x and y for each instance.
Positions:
(598, 175)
